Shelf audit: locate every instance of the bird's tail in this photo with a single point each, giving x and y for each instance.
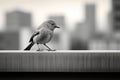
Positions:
(29, 46)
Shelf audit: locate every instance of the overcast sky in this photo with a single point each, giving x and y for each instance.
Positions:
(73, 10)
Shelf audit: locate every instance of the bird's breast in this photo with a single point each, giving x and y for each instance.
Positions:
(43, 37)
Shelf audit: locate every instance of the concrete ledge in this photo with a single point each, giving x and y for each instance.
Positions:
(60, 61)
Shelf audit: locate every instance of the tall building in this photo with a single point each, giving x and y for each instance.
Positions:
(17, 19)
(90, 19)
(87, 29)
(110, 22)
(116, 15)
(84, 31)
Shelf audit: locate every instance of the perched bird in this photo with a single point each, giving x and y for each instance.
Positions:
(43, 34)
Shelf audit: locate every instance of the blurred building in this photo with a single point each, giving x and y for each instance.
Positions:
(105, 42)
(116, 15)
(79, 37)
(110, 23)
(12, 38)
(111, 40)
(84, 31)
(90, 20)
(17, 19)
(9, 40)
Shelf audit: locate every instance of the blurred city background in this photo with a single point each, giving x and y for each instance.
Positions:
(85, 24)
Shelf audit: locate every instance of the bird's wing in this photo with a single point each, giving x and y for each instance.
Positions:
(44, 36)
(31, 39)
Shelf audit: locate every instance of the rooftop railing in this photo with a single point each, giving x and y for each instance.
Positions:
(60, 61)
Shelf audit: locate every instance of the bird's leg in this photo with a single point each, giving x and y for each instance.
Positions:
(38, 47)
(49, 49)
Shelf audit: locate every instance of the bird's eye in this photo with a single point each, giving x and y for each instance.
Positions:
(52, 24)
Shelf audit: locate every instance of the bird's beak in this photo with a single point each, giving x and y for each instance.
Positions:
(57, 26)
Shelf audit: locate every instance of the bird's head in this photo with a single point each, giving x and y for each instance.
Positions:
(50, 24)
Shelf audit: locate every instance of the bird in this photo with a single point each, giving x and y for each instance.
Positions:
(43, 35)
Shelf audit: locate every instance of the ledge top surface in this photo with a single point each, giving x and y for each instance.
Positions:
(61, 51)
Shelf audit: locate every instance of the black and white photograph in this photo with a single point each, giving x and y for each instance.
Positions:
(77, 36)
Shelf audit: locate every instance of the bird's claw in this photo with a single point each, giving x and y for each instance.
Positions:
(51, 50)
(46, 49)
(38, 50)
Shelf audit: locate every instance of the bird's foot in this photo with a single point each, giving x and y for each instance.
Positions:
(51, 49)
(38, 49)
